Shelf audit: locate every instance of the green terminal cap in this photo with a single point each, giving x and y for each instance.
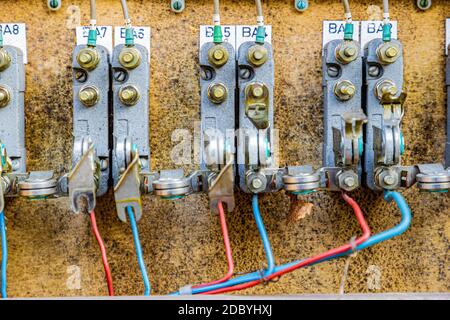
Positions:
(218, 38)
(129, 37)
(387, 32)
(260, 34)
(92, 38)
(348, 31)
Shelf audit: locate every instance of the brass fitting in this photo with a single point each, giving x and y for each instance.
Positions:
(388, 52)
(347, 52)
(89, 96)
(217, 93)
(5, 59)
(5, 97)
(218, 55)
(88, 58)
(344, 90)
(385, 87)
(129, 95)
(257, 55)
(130, 58)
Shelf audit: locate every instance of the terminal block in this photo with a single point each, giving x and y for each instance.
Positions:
(131, 153)
(91, 71)
(343, 114)
(255, 155)
(384, 143)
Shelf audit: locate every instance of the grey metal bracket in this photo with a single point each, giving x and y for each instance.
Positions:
(255, 158)
(127, 192)
(447, 82)
(384, 108)
(91, 74)
(343, 115)
(131, 81)
(83, 182)
(12, 114)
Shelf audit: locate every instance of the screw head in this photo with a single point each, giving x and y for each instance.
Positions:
(88, 58)
(129, 95)
(391, 52)
(301, 5)
(5, 97)
(130, 58)
(374, 71)
(344, 90)
(350, 182)
(389, 180)
(103, 164)
(15, 164)
(257, 183)
(346, 52)
(218, 55)
(217, 93)
(388, 52)
(350, 52)
(89, 96)
(333, 71)
(257, 91)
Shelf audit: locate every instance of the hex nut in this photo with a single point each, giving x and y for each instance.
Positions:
(5, 97)
(344, 90)
(217, 93)
(5, 59)
(347, 52)
(89, 96)
(388, 52)
(348, 180)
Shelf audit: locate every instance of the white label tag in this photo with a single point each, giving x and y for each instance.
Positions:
(142, 36)
(207, 32)
(104, 36)
(447, 35)
(248, 33)
(374, 29)
(15, 34)
(334, 30)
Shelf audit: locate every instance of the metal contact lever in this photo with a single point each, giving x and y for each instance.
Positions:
(127, 192)
(222, 188)
(83, 182)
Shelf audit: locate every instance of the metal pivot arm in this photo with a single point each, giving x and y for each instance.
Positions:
(255, 155)
(343, 115)
(83, 179)
(127, 191)
(91, 92)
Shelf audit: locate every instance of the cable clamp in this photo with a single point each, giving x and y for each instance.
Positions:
(186, 290)
(348, 17)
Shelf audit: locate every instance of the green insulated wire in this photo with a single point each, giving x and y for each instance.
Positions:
(129, 33)
(348, 29)
(386, 22)
(92, 37)
(217, 37)
(261, 32)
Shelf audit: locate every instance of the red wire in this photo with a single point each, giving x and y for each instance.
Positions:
(103, 251)
(366, 234)
(226, 240)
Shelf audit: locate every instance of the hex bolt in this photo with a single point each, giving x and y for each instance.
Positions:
(129, 95)
(388, 52)
(130, 58)
(385, 87)
(389, 180)
(217, 93)
(5, 59)
(333, 71)
(257, 183)
(346, 52)
(257, 55)
(5, 97)
(88, 58)
(257, 91)
(218, 55)
(344, 90)
(350, 182)
(89, 96)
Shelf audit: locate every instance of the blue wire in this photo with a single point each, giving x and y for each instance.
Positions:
(383, 236)
(137, 244)
(263, 233)
(4, 253)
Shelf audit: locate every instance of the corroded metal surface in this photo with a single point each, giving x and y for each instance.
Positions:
(181, 240)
